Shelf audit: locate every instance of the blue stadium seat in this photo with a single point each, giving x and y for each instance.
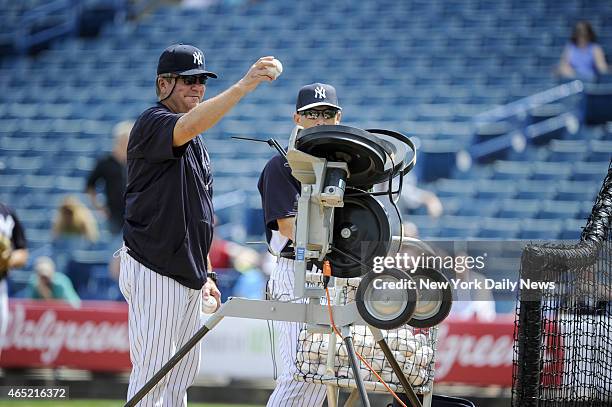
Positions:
(540, 229)
(436, 160)
(454, 188)
(569, 151)
(572, 229)
(511, 171)
(545, 112)
(80, 273)
(577, 191)
(536, 190)
(559, 210)
(601, 151)
(519, 208)
(589, 171)
(543, 171)
(597, 104)
(487, 189)
(499, 229)
(457, 227)
(476, 207)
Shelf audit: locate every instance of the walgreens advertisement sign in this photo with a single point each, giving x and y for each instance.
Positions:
(95, 337)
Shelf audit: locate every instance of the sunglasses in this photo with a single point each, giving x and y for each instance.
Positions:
(193, 79)
(190, 79)
(314, 114)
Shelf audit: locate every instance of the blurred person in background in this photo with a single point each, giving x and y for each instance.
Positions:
(74, 228)
(582, 57)
(225, 254)
(74, 220)
(13, 254)
(110, 170)
(49, 284)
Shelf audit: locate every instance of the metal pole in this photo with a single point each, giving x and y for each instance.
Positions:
(412, 397)
(348, 341)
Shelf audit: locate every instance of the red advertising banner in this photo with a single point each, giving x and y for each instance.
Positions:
(475, 352)
(95, 337)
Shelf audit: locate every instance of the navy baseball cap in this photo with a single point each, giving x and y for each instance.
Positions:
(316, 94)
(182, 59)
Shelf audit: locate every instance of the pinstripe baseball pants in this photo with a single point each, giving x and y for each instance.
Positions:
(288, 391)
(163, 315)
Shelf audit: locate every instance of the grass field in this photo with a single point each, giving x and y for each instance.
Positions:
(92, 403)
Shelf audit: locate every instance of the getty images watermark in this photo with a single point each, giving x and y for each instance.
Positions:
(465, 268)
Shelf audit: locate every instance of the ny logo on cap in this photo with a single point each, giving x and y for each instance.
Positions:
(319, 92)
(198, 57)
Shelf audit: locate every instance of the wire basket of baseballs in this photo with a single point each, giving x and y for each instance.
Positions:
(413, 349)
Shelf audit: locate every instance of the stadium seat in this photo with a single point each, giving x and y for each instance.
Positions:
(511, 171)
(597, 104)
(601, 151)
(559, 210)
(499, 228)
(437, 159)
(540, 230)
(589, 171)
(569, 151)
(543, 171)
(518, 208)
(495, 189)
(577, 191)
(454, 188)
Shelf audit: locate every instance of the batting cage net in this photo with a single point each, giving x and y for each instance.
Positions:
(413, 348)
(563, 329)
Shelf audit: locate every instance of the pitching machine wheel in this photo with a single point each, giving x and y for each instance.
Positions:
(433, 305)
(362, 230)
(383, 306)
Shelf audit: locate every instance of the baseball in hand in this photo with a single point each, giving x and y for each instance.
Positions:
(275, 70)
(209, 306)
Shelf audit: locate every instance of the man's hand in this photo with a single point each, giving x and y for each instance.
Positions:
(258, 73)
(210, 288)
(286, 227)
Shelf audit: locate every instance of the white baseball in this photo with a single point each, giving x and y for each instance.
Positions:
(392, 340)
(421, 339)
(387, 376)
(399, 357)
(407, 347)
(409, 368)
(423, 356)
(377, 363)
(404, 333)
(209, 306)
(419, 378)
(275, 70)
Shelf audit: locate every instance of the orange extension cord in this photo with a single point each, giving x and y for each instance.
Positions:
(327, 273)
